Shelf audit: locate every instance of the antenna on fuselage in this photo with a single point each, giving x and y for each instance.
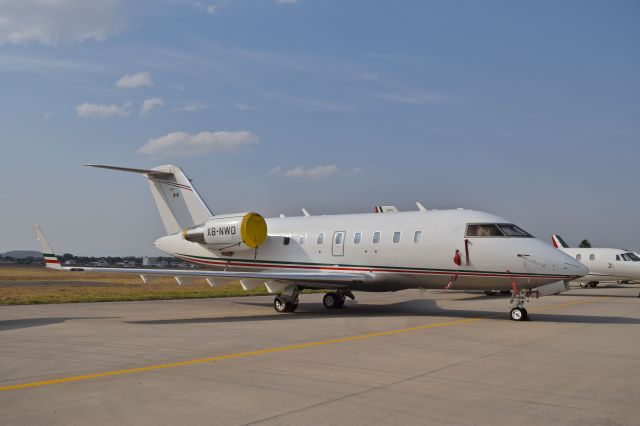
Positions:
(305, 212)
(421, 207)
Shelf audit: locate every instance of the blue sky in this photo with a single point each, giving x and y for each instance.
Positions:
(529, 110)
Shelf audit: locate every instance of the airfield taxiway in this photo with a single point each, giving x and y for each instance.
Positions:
(404, 358)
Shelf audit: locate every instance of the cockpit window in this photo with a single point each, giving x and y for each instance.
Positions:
(495, 230)
(484, 230)
(633, 257)
(511, 230)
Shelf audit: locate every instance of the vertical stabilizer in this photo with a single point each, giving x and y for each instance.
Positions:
(179, 203)
(50, 259)
(558, 242)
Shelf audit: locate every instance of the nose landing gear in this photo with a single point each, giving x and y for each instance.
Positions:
(519, 314)
(520, 296)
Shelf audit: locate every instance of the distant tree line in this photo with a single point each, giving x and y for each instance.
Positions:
(111, 260)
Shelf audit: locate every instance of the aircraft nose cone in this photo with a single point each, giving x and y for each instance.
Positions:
(570, 265)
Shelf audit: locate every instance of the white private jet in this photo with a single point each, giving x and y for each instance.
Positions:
(605, 264)
(426, 249)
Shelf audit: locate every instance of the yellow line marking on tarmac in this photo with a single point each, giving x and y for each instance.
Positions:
(271, 350)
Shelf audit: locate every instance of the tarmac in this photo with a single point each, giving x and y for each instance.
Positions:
(392, 358)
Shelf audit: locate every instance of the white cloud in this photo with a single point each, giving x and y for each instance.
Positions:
(130, 81)
(313, 173)
(150, 104)
(189, 107)
(181, 144)
(55, 21)
(97, 110)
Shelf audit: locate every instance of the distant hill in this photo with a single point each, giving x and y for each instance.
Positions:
(21, 254)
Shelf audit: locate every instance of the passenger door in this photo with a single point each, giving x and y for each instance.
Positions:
(337, 248)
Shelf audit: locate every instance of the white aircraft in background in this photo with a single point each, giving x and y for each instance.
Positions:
(605, 264)
(426, 249)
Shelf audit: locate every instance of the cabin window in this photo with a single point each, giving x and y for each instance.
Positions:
(320, 238)
(592, 257)
(338, 238)
(396, 237)
(417, 237)
(303, 238)
(286, 241)
(578, 256)
(357, 237)
(376, 237)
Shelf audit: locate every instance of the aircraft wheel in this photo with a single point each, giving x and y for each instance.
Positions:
(331, 301)
(583, 285)
(489, 292)
(505, 292)
(340, 303)
(281, 305)
(518, 314)
(593, 284)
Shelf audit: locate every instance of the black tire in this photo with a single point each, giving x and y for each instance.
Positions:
(489, 292)
(593, 284)
(330, 301)
(526, 314)
(505, 292)
(583, 285)
(280, 305)
(340, 304)
(292, 307)
(518, 314)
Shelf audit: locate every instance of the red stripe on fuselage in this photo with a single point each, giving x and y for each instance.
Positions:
(373, 269)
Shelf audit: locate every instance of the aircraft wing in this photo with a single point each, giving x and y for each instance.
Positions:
(311, 279)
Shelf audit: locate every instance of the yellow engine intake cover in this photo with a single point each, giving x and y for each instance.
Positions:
(253, 230)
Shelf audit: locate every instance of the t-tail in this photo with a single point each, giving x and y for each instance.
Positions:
(178, 202)
(50, 259)
(558, 242)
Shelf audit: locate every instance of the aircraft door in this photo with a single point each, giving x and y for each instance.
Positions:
(337, 248)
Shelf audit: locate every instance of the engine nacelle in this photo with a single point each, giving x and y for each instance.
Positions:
(230, 232)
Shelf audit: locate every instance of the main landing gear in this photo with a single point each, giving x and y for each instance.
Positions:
(286, 302)
(592, 284)
(336, 299)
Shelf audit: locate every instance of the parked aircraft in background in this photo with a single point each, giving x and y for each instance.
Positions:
(605, 264)
(426, 249)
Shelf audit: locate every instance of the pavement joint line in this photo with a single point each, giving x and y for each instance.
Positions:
(272, 350)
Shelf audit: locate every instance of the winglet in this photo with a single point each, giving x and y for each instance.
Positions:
(50, 259)
(558, 242)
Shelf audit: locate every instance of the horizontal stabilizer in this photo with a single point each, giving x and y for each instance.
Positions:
(156, 173)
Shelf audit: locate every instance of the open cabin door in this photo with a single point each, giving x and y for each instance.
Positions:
(337, 248)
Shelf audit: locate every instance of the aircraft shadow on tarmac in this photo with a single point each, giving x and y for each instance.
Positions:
(38, 322)
(410, 308)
